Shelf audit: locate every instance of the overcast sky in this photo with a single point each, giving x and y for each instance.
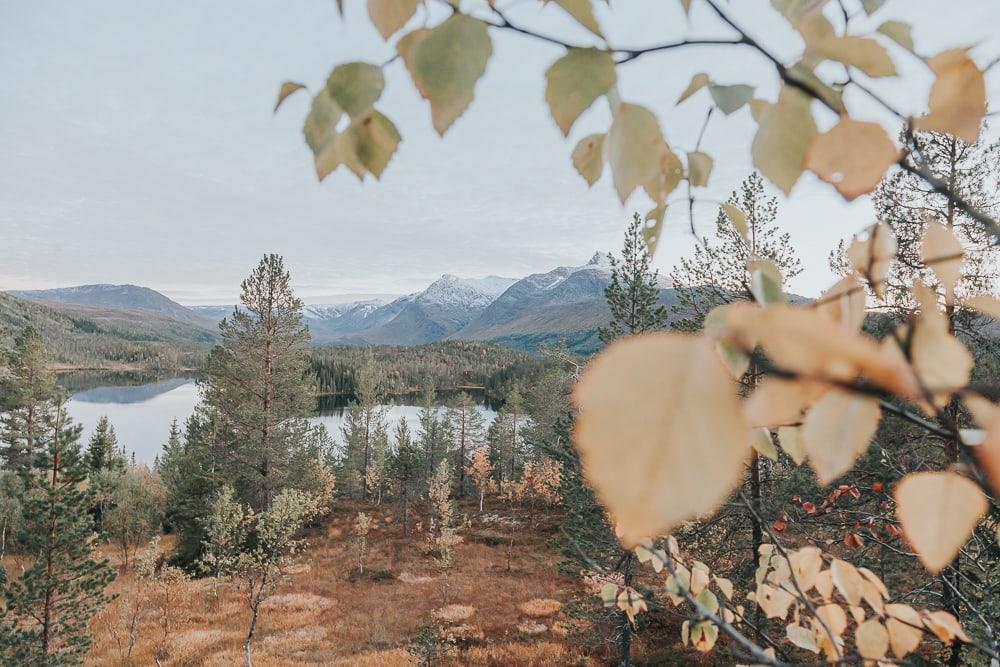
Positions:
(137, 145)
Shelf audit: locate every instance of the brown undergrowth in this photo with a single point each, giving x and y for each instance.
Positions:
(324, 614)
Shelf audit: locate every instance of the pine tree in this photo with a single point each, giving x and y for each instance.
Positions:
(468, 427)
(102, 449)
(406, 466)
(434, 433)
(367, 424)
(48, 607)
(634, 292)
(25, 393)
(257, 379)
(717, 272)
(906, 204)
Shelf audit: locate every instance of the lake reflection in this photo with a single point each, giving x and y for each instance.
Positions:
(141, 408)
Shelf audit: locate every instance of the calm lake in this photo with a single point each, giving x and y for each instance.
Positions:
(141, 408)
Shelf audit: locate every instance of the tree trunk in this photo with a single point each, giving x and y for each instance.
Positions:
(255, 601)
(757, 529)
(626, 626)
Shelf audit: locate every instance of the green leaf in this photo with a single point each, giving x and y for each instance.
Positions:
(321, 121)
(899, 32)
(699, 168)
(388, 16)
(447, 63)
(356, 87)
(575, 81)
(765, 281)
(872, 6)
(375, 141)
(634, 146)
(583, 12)
(803, 74)
(588, 157)
(287, 88)
(736, 215)
(730, 98)
(698, 81)
(786, 130)
(654, 225)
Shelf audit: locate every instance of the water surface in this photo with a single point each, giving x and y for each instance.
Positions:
(141, 408)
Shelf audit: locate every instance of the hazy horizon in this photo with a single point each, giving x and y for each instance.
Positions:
(140, 147)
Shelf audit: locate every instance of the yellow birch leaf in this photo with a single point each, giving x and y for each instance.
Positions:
(943, 252)
(844, 303)
(899, 32)
(699, 168)
(801, 637)
(848, 581)
(938, 511)
(375, 141)
(958, 96)
(774, 602)
(660, 431)
(762, 442)
(786, 130)
(853, 156)
(837, 430)
(583, 12)
(945, 626)
(834, 617)
(779, 401)
(765, 281)
(287, 88)
(824, 584)
(575, 81)
(704, 635)
(355, 87)
(698, 81)
(987, 304)
(987, 415)
(588, 157)
(388, 16)
(736, 216)
(801, 340)
(726, 586)
(447, 63)
(790, 439)
(634, 146)
(903, 625)
(685, 632)
(806, 564)
(871, 639)
(871, 253)
(941, 361)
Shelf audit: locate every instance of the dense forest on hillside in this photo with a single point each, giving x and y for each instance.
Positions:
(448, 365)
(94, 338)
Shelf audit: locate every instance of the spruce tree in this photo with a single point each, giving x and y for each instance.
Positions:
(48, 607)
(258, 380)
(633, 293)
(102, 449)
(25, 392)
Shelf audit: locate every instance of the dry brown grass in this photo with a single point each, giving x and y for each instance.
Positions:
(454, 613)
(319, 617)
(541, 607)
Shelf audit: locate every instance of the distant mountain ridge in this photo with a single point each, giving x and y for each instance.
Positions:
(564, 304)
(117, 297)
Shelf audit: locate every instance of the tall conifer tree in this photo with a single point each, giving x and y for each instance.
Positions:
(258, 379)
(48, 607)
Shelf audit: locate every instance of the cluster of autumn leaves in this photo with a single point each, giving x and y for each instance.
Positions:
(816, 602)
(446, 61)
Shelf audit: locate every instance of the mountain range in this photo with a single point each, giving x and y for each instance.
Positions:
(566, 303)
